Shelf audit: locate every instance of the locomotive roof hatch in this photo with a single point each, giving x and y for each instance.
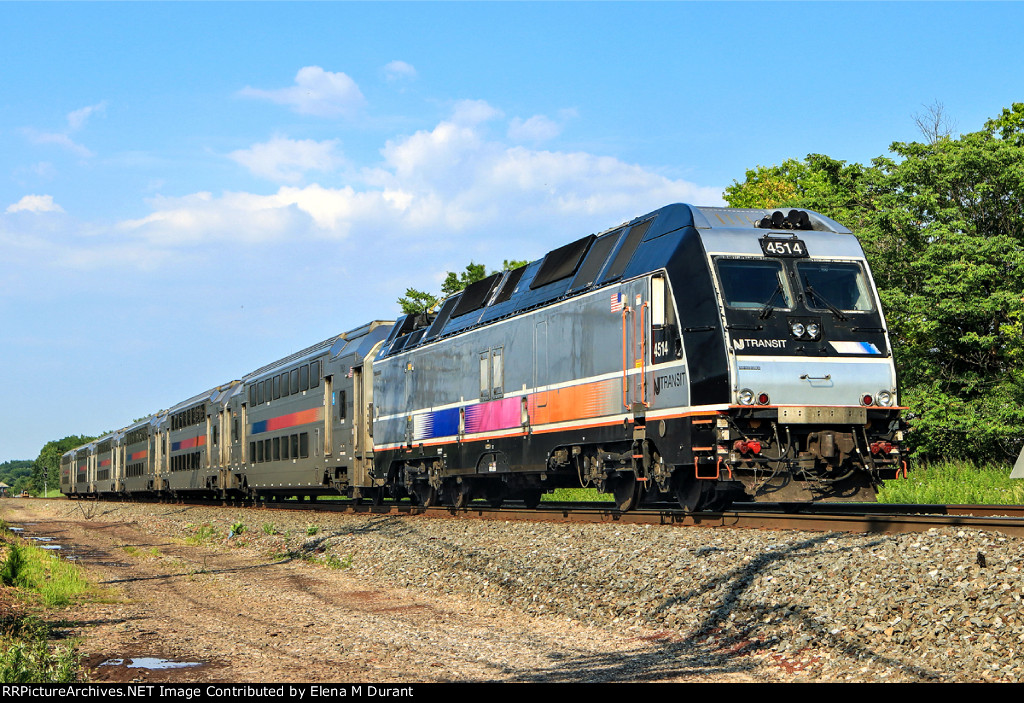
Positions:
(765, 218)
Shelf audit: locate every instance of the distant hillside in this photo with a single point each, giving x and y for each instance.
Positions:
(17, 474)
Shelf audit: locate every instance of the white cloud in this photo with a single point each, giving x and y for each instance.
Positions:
(474, 112)
(439, 186)
(451, 191)
(287, 160)
(35, 203)
(399, 70)
(77, 118)
(316, 92)
(59, 138)
(536, 129)
(539, 128)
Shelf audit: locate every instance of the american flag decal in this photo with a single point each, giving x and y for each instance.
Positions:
(617, 302)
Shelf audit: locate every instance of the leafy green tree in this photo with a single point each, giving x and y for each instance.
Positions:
(942, 224)
(949, 240)
(47, 464)
(834, 188)
(416, 301)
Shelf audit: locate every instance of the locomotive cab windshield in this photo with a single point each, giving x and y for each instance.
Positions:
(751, 284)
(840, 284)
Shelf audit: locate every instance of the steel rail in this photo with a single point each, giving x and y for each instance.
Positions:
(856, 518)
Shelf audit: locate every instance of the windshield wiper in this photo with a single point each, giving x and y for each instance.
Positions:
(767, 309)
(832, 308)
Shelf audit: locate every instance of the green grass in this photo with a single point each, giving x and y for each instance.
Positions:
(26, 655)
(576, 495)
(202, 534)
(332, 561)
(39, 576)
(940, 483)
(955, 483)
(38, 570)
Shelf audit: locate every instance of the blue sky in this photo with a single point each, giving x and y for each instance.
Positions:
(191, 190)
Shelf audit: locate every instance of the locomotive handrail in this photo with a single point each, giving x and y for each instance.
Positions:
(643, 354)
(625, 390)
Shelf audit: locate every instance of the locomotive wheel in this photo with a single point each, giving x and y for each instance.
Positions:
(426, 495)
(495, 495)
(531, 496)
(463, 494)
(696, 495)
(627, 491)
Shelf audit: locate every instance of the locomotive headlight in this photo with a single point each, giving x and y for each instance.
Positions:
(797, 328)
(746, 397)
(813, 330)
(884, 398)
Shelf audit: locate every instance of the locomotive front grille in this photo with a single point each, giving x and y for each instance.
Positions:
(805, 415)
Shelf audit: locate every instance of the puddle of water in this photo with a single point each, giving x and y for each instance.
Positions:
(16, 529)
(51, 547)
(149, 663)
(42, 539)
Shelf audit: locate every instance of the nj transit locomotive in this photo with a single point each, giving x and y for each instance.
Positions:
(710, 354)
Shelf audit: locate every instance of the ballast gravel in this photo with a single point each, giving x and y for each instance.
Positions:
(941, 606)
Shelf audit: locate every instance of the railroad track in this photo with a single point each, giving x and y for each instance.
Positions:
(833, 517)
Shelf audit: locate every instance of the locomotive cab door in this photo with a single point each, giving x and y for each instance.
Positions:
(362, 422)
(636, 320)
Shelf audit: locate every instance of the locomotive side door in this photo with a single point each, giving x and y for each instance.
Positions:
(636, 320)
(362, 437)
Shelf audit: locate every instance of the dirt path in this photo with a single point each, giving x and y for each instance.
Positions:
(243, 617)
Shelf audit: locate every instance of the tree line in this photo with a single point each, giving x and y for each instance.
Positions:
(942, 224)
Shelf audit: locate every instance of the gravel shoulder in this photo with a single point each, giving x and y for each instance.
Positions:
(304, 597)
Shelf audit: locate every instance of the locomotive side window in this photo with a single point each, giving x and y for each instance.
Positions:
(753, 283)
(497, 373)
(842, 284)
(485, 375)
